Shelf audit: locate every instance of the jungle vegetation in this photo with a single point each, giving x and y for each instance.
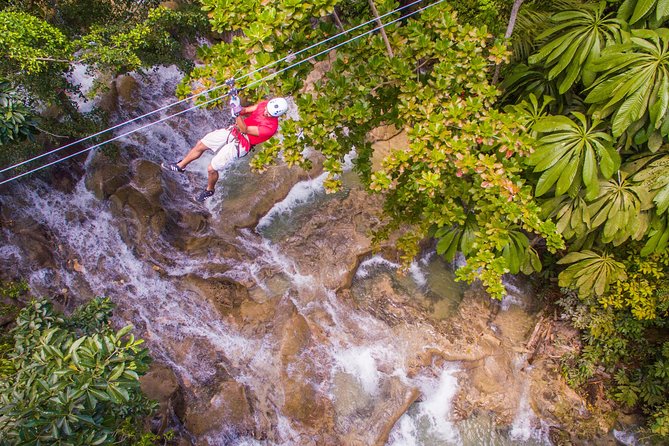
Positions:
(562, 168)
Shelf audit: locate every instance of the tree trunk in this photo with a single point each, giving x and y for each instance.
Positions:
(340, 25)
(509, 32)
(383, 31)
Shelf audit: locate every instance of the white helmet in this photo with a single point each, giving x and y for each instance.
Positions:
(277, 106)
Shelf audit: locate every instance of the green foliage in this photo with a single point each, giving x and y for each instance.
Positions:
(635, 12)
(624, 334)
(574, 42)
(645, 291)
(16, 120)
(13, 290)
(155, 40)
(571, 152)
(30, 44)
(633, 86)
(75, 380)
(263, 34)
(462, 168)
(590, 272)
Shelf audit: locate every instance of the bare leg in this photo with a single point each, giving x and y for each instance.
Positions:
(212, 178)
(193, 154)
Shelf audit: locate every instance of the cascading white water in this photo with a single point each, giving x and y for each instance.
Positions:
(360, 356)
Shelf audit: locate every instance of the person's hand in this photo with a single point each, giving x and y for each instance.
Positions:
(235, 106)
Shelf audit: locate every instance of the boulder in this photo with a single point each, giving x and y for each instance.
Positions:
(140, 216)
(253, 195)
(226, 409)
(385, 140)
(161, 385)
(327, 244)
(225, 295)
(128, 90)
(105, 178)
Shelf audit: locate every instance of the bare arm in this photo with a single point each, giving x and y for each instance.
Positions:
(249, 130)
(248, 110)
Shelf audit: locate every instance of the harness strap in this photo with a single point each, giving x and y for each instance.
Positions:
(242, 142)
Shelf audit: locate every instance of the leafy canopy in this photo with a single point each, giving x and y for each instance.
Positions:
(74, 380)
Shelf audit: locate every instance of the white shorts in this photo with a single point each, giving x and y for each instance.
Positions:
(224, 145)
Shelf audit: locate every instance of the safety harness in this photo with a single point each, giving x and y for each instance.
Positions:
(243, 144)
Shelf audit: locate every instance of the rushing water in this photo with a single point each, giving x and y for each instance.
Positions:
(360, 357)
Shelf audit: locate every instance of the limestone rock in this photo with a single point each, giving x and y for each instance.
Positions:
(225, 294)
(386, 139)
(104, 178)
(161, 385)
(128, 90)
(228, 407)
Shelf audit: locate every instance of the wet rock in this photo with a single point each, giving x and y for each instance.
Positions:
(385, 140)
(227, 409)
(301, 377)
(65, 179)
(295, 337)
(128, 91)
(327, 245)
(147, 178)
(107, 100)
(36, 242)
(255, 194)
(161, 385)
(174, 6)
(391, 401)
(559, 437)
(225, 295)
(105, 178)
(140, 217)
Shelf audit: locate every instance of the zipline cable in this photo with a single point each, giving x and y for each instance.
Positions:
(222, 96)
(269, 65)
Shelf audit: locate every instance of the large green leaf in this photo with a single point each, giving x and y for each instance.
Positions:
(651, 172)
(618, 208)
(590, 273)
(568, 148)
(634, 11)
(632, 81)
(576, 36)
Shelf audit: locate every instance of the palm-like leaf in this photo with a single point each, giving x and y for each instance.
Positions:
(658, 235)
(620, 209)
(522, 81)
(571, 215)
(633, 83)
(576, 40)
(590, 273)
(652, 172)
(533, 19)
(531, 110)
(569, 152)
(635, 11)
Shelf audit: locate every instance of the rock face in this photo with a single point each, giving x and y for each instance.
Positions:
(161, 385)
(226, 410)
(330, 244)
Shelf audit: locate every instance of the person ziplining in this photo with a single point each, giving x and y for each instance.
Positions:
(253, 125)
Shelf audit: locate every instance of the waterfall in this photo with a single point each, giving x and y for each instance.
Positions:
(360, 362)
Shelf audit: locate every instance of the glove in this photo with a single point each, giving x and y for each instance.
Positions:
(235, 106)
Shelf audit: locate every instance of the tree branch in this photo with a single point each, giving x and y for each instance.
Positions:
(383, 31)
(337, 20)
(509, 32)
(51, 59)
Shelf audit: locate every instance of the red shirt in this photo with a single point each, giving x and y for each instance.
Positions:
(267, 125)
